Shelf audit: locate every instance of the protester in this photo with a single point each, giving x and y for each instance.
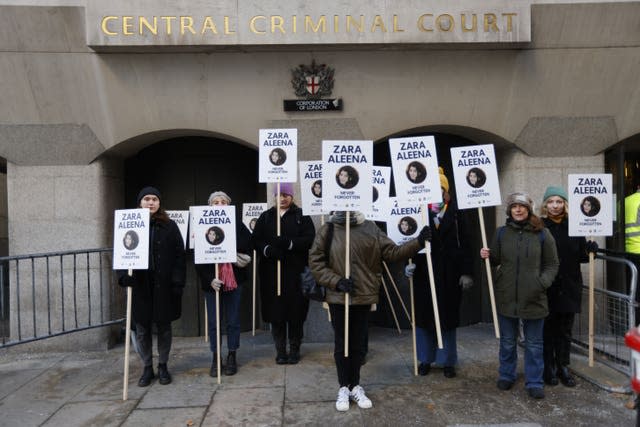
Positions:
(452, 271)
(525, 254)
(229, 284)
(157, 291)
(565, 293)
(368, 248)
(286, 312)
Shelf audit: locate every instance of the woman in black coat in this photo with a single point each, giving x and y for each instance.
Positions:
(286, 312)
(157, 291)
(565, 293)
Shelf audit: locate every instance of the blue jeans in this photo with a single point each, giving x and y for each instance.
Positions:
(230, 306)
(428, 351)
(533, 353)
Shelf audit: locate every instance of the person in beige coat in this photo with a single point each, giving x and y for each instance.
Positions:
(369, 246)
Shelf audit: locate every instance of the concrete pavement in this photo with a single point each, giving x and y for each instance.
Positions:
(85, 389)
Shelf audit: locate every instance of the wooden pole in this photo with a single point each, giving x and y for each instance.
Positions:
(591, 305)
(432, 285)
(413, 326)
(386, 267)
(127, 342)
(279, 264)
(218, 328)
(206, 322)
(487, 264)
(253, 311)
(347, 272)
(393, 311)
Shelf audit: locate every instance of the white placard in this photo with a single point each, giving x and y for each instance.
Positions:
(278, 153)
(131, 239)
(404, 220)
(250, 214)
(380, 192)
(192, 226)
(311, 187)
(215, 234)
(476, 176)
(181, 218)
(346, 182)
(590, 205)
(415, 169)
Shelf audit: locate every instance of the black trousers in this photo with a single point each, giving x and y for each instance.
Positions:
(144, 339)
(557, 339)
(295, 333)
(349, 367)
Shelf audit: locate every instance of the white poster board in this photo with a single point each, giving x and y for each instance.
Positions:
(278, 155)
(476, 176)
(380, 193)
(215, 234)
(181, 218)
(404, 221)
(250, 214)
(590, 204)
(311, 187)
(415, 169)
(192, 226)
(346, 175)
(131, 239)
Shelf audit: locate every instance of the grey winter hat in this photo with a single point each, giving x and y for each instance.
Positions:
(519, 198)
(221, 194)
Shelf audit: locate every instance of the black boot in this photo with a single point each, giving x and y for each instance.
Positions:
(147, 376)
(294, 353)
(565, 377)
(549, 375)
(231, 367)
(164, 377)
(280, 339)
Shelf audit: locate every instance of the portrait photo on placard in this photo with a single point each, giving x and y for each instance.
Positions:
(476, 177)
(316, 188)
(590, 206)
(214, 235)
(277, 156)
(375, 194)
(416, 172)
(130, 240)
(407, 226)
(347, 177)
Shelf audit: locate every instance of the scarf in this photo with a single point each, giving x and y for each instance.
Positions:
(227, 277)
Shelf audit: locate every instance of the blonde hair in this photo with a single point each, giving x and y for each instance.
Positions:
(543, 208)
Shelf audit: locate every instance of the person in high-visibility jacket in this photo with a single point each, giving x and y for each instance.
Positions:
(632, 222)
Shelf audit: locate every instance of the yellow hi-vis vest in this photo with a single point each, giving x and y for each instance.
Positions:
(632, 223)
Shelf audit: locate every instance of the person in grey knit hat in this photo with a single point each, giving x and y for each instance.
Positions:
(525, 252)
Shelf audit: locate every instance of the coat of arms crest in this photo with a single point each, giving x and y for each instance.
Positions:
(312, 81)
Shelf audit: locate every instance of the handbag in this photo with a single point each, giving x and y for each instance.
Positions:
(310, 288)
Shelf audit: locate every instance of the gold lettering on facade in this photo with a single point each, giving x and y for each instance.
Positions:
(103, 25)
(474, 23)
(378, 23)
(490, 22)
(277, 22)
(509, 21)
(421, 26)
(445, 22)
(167, 22)
(209, 25)
(227, 27)
(143, 23)
(252, 24)
(308, 24)
(294, 24)
(127, 26)
(396, 27)
(359, 24)
(336, 23)
(186, 23)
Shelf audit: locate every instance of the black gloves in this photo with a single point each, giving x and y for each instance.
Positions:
(344, 285)
(273, 252)
(283, 243)
(591, 246)
(126, 281)
(425, 234)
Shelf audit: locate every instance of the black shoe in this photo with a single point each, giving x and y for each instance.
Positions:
(213, 372)
(424, 368)
(282, 359)
(164, 377)
(504, 385)
(147, 376)
(536, 392)
(449, 371)
(294, 357)
(565, 377)
(549, 377)
(231, 367)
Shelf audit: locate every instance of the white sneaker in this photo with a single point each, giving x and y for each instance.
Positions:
(342, 403)
(358, 396)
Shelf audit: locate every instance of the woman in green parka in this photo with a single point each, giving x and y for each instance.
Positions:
(526, 261)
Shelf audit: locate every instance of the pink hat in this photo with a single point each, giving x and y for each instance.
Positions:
(285, 188)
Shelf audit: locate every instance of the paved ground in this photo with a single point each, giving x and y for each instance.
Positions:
(85, 389)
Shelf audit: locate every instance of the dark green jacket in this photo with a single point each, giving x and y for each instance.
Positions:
(526, 267)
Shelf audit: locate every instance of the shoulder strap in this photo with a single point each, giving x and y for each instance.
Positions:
(500, 233)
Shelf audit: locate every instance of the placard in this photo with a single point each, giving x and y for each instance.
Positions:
(415, 169)
(590, 205)
(131, 239)
(346, 182)
(381, 183)
(192, 226)
(181, 218)
(250, 214)
(404, 221)
(476, 176)
(278, 154)
(215, 234)
(311, 187)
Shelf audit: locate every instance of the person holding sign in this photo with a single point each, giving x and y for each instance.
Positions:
(286, 312)
(565, 293)
(157, 292)
(229, 283)
(525, 253)
(452, 270)
(369, 246)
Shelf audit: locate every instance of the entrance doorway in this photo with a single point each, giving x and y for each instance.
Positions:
(186, 171)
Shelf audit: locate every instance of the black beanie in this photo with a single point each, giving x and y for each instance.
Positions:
(146, 191)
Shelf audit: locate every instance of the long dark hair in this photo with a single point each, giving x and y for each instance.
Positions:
(161, 216)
